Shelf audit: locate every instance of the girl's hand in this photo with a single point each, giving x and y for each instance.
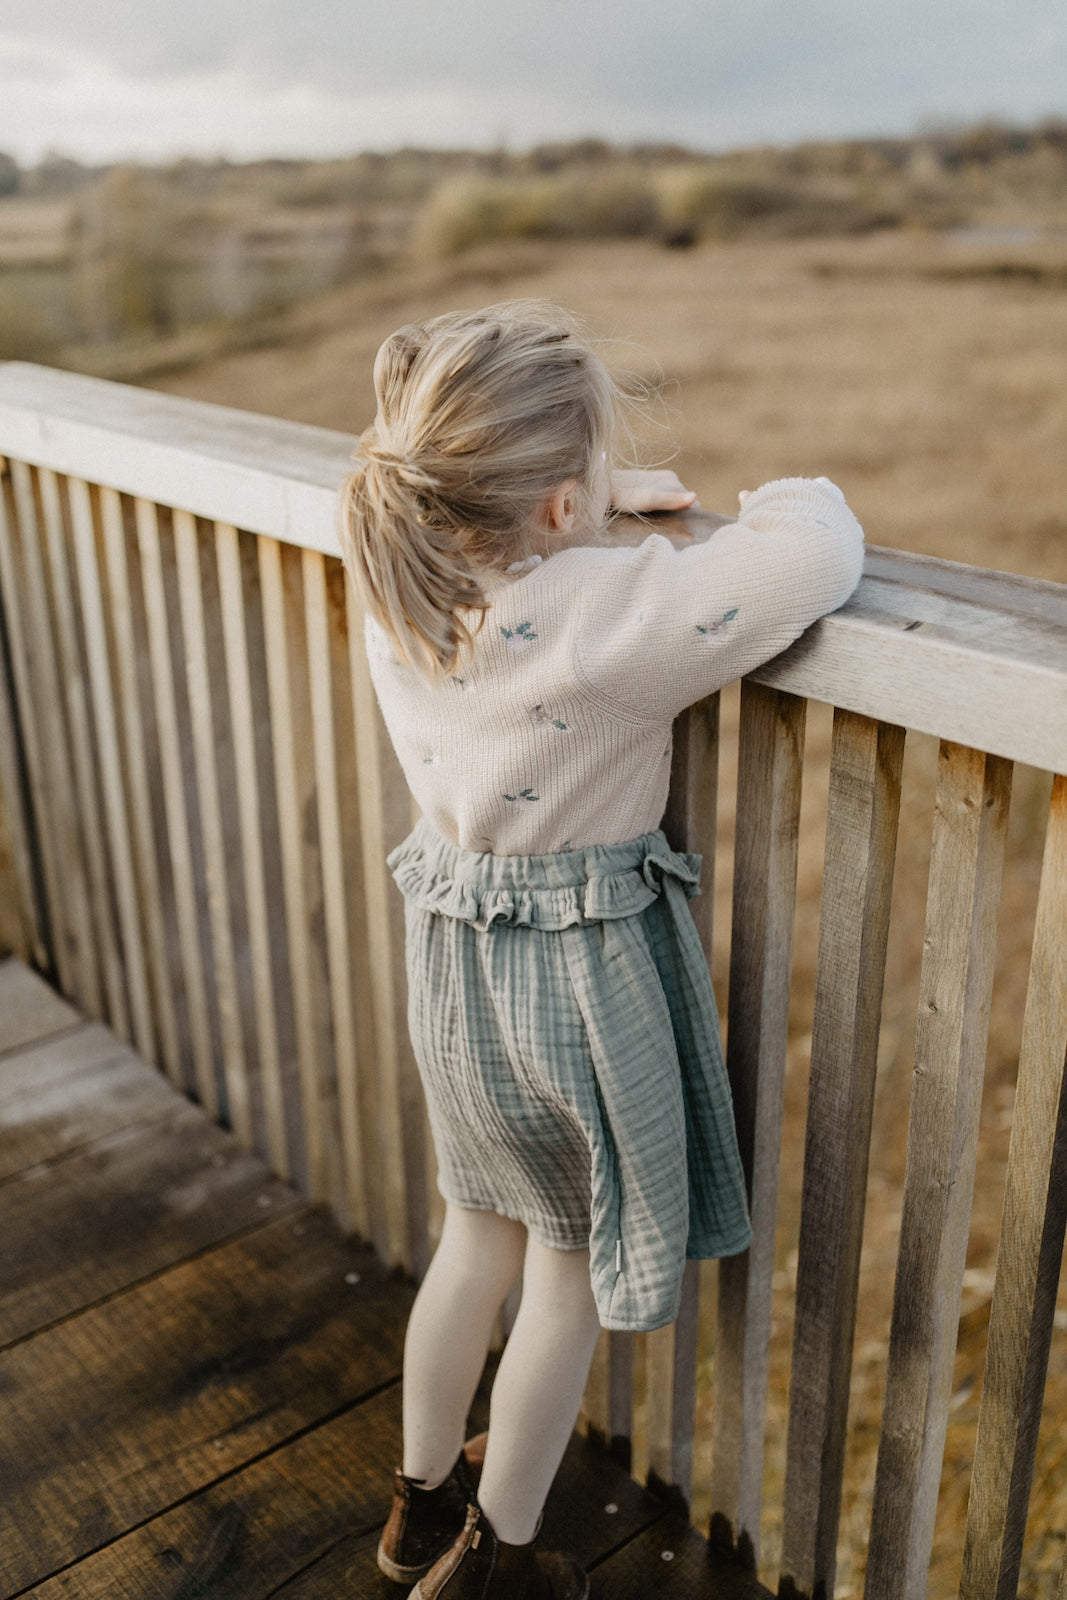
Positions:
(649, 491)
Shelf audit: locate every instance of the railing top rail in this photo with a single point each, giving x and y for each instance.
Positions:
(970, 655)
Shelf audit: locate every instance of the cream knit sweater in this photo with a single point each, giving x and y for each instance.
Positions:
(558, 731)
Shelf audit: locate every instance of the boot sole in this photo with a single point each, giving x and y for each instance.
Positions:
(400, 1574)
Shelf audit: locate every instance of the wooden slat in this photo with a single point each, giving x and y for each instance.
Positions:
(340, 888)
(692, 804)
(72, 667)
(123, 1207)
(249, 813)
(770, 756)
(125, 632)
(853, 929)
(203, 669)
(42, 724)
(954, 997)
(1030, 1251)
(69, 1089)
(119, 831)
(301, 880)
(179, 842)
(181, 1381)
(671, 1353)
(22, 910)
(671, 1373)
(385, 817)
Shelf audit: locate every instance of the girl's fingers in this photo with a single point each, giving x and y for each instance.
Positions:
(650, 491)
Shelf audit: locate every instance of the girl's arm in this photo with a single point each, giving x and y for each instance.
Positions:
(662, 627)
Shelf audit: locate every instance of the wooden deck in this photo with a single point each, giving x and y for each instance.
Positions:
(199, 1376)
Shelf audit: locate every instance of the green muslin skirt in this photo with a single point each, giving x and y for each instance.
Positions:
(564, 1024)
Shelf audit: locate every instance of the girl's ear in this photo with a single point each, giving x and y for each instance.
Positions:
(561, 508)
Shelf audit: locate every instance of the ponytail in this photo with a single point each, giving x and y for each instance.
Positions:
(481, 416)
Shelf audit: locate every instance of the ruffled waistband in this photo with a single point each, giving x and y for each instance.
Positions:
(599, 883)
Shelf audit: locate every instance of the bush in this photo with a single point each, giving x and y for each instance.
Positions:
(612, 203)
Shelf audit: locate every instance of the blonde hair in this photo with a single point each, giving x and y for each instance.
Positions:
(481, 417)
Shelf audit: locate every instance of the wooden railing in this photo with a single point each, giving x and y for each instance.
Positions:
(197, 800)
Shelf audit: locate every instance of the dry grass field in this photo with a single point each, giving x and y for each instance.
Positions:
(925, 373)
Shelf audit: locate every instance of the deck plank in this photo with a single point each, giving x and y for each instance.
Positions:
(60, 1094)
(121, 1209)
(29, 1009)
(114, 1415)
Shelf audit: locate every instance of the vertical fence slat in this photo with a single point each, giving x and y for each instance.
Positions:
(293, 776)
(25, 919)
(150, 927)
(249, 816)
(955, 987)
(671, 1369)
(200, 673)
(339, 889)
(770, 756)
(853, 929)
(1030, 1251)
(71, 665)
(119, 831)
(179, 844)
(399, 1115)
(43, 721)
(671, 1352)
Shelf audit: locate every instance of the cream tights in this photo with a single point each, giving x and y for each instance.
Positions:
(542, 1372)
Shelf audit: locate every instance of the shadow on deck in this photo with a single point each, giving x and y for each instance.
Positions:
(200, 1377)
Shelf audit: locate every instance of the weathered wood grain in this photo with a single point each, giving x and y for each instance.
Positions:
(400, 1119)
(116, 1415)
(853, 929)
(770, 755)
(950, 1043)
(125, 625)
(22, 911)
(670, 1561)
(1030, 1253)
(298, 864)
(42, 725)
(273, 477)
(336, 763)
(29, 1008)
(154, 560)
(70, 1089)
(238, 619)
(128, 1204)
(303, 1520)
(127, 942)
(204, 668)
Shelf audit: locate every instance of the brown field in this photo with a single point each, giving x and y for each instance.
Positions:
(925, 373)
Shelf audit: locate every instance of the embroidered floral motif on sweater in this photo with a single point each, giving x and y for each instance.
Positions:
(525, 797)
(519, 637)
(540, 715)
(706, 630)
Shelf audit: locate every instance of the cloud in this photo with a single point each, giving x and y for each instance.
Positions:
(709, 72)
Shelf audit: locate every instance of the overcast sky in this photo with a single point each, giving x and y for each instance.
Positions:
(107, 79)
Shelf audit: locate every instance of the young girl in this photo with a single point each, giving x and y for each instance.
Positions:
(560, 1006)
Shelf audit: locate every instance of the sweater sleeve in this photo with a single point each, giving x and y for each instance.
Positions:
(660, 628)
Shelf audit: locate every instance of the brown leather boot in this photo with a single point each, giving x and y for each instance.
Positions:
(423, 1523)
(480, 1566)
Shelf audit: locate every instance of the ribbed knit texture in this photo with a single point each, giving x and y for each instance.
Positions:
(557, 734)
